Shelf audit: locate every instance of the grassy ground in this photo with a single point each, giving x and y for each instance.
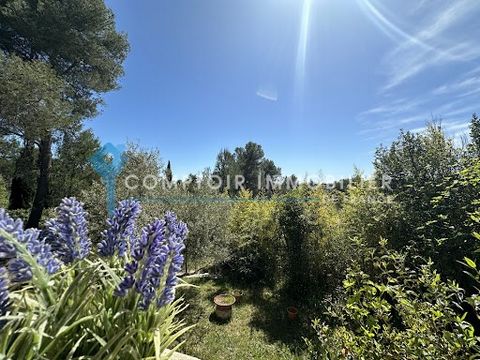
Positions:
(259, 328)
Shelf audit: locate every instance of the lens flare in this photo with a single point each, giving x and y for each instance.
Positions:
(300, 66)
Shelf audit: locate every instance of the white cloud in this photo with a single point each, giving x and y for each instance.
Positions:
(393, 107)
(432, 45)
(442, 36)
(466, 86)
(408, 62)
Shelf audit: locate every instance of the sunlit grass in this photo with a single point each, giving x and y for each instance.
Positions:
(259, 328)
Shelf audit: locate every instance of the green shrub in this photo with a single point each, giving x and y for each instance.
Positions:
(369, 214)
(255, 248)
(395, 312)
(3, 193)
(447, 235)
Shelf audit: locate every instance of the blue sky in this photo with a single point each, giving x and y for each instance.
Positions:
(318, 83)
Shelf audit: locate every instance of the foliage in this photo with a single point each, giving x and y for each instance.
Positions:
(328, 248)
(3, 193)
(23, 175)
(71, 53)
(249, 162)
(317, 252)
(474, 146)
(76, 311)
(370, 214)
(295, 227)
(203, 209)
(32, 98)
(9, 152)
(254, 233)
(77, 39)
(448, 235)
(397, 312)
(413, 168)
(71, 172)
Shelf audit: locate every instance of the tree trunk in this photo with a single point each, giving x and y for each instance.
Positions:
(22, 186)
(39, 202)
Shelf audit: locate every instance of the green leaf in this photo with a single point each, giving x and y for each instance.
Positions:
(470, 263)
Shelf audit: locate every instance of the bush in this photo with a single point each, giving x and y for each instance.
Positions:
(328, 248)
(395, 312)
(317, 252)
(447, 235)
(3, 193)
(254, 233)
(369, 214)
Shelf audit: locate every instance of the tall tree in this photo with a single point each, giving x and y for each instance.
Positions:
(224, 167)
(475, 135)
(32, 106)
(78, 40)
(71, 170)
(168, 172)
(249, 162)
(22, 183)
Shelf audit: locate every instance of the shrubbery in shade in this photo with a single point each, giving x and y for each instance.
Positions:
(392, 311)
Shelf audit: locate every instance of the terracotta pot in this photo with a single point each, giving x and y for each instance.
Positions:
(223, 306)
(292, 312)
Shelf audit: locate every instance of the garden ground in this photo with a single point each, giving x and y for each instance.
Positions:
(259, 328)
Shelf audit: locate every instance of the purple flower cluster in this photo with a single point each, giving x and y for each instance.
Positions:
(159, 246)
(121, 228)
(4, 298)
(68, 232)
(18, 268)
(177, 233)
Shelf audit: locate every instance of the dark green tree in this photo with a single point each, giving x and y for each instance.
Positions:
(31, 105)
(168, 172)
(224, 167)
(249, 162)
(474, 146)
(295, 229)
(77, 39)
(71, 171)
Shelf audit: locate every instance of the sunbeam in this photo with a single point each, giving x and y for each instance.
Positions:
(300, 66)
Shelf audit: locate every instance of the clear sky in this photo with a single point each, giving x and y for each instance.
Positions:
(318, 83)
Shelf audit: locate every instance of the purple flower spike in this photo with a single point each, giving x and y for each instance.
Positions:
(18, 268)
(121, 228)
(68, 233)
(176, 243)
(159, 246)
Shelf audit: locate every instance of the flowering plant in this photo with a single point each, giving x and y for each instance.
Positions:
(58, 299)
